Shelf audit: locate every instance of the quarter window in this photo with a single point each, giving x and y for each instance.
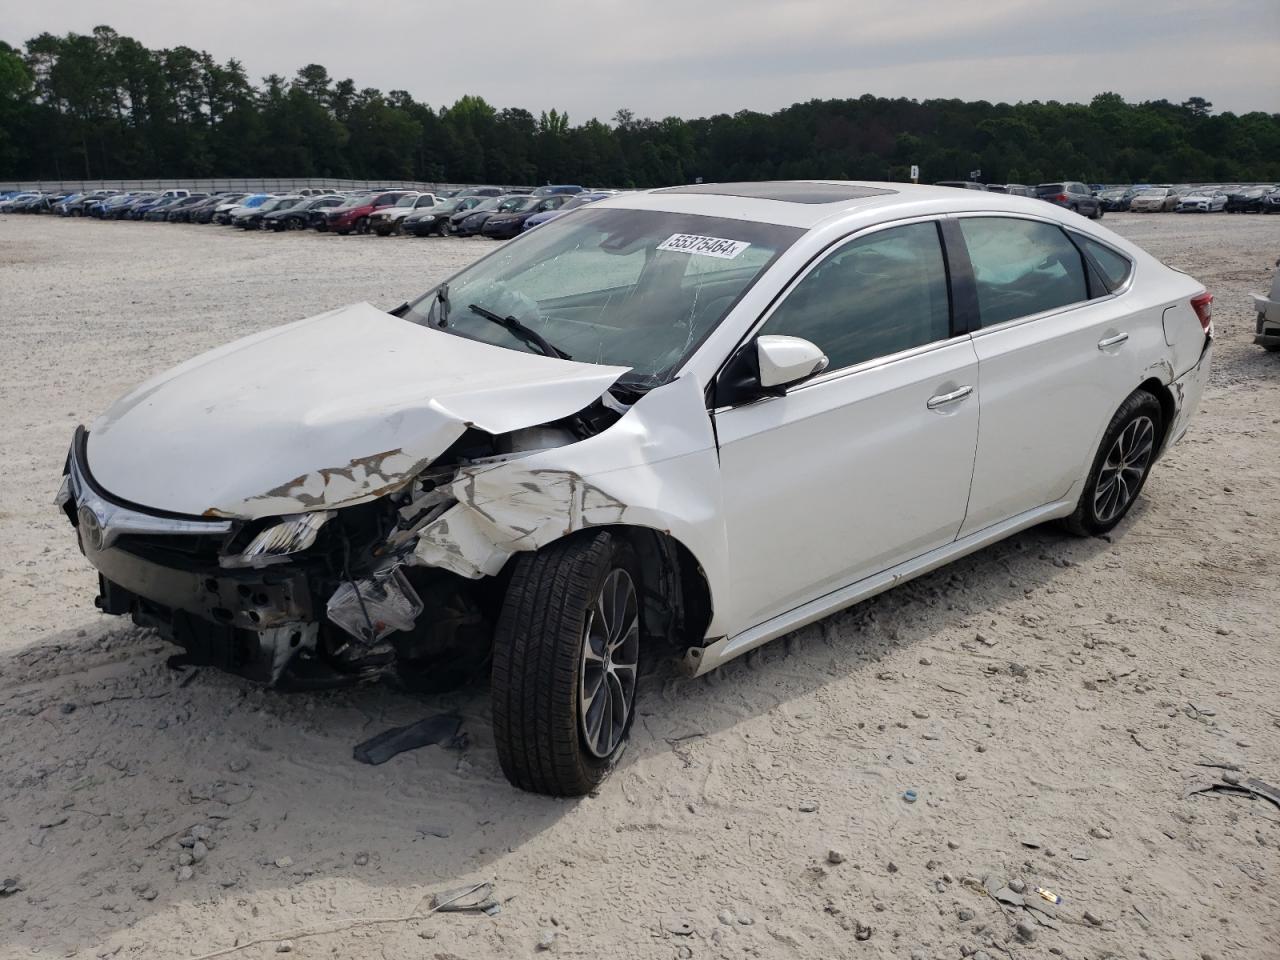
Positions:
(875, 296)
(1115, 268)
(1022, 267)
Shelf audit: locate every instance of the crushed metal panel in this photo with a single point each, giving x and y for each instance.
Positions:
(656, 467)
(326, 412)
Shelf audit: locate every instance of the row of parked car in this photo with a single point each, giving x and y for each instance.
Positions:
(1213, 198)
(1092, 200)
(495, 212)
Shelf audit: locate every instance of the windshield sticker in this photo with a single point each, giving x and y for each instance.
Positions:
(703, 246)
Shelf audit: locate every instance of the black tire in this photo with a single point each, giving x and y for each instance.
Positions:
(362, 225)
(538, 663)
(1100, 212)
(1091, 519)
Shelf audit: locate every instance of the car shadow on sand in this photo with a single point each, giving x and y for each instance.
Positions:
(114, 762)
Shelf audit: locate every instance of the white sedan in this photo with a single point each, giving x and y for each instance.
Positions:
(697, 417)
(1202, 201)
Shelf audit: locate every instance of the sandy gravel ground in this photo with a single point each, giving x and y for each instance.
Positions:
(1048, 699)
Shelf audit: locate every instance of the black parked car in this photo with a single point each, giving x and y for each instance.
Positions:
(506, 224)
(205, 212)
(187, 214)
(252, 219)
(1246, 199)
(1271, 201)
(435, 220)
(160, 210)
(170, 210)
(308, 212)
(1116, 199)
(468, 223)
(1073, 195)
(139, 210)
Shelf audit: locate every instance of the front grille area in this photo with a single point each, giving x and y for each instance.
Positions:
(180, 551)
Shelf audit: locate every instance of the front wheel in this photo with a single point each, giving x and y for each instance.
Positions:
(1121, 466)
(566, 654)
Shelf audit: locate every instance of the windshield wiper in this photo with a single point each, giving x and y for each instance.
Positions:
(442, 302)
(522, 332)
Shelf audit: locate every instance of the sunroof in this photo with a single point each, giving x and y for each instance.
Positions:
(797, 191)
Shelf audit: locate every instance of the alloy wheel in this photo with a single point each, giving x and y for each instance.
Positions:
(1123, 470)
(610, 656)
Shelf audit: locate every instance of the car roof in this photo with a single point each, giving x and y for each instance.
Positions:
(861, 200)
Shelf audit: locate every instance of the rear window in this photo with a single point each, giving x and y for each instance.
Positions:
(1048, 189)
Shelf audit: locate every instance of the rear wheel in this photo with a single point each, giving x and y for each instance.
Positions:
(362, 225)
(1121, 466)
(565, 659)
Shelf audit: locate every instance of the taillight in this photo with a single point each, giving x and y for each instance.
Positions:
(1203, 306)
(1061, 198)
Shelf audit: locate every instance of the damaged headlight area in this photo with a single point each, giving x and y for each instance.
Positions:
(275, 544)
(302, 600)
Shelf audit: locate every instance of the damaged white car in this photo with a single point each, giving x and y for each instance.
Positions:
(697, 417)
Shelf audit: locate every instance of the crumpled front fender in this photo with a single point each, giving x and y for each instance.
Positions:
(656, 467)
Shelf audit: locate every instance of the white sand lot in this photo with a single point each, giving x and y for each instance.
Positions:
(1048, 691)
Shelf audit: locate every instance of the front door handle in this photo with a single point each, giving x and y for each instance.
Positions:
(1118, 339)
(943, 399)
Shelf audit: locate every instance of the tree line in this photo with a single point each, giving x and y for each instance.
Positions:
(102, 105)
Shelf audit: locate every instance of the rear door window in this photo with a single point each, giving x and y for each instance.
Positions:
(1022, 267)
(877, 295)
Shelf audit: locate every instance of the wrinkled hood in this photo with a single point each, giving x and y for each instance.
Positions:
(329, 411)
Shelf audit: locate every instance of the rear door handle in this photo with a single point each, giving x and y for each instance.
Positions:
(1118, 339)
(942, 399)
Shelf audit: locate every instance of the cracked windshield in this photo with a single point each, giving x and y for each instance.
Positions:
(639, 289)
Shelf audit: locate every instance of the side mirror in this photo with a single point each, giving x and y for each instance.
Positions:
(787, 360)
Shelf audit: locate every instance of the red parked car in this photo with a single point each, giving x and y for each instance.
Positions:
(354, 214)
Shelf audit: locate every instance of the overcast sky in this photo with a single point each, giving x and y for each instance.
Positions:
(698, 57)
